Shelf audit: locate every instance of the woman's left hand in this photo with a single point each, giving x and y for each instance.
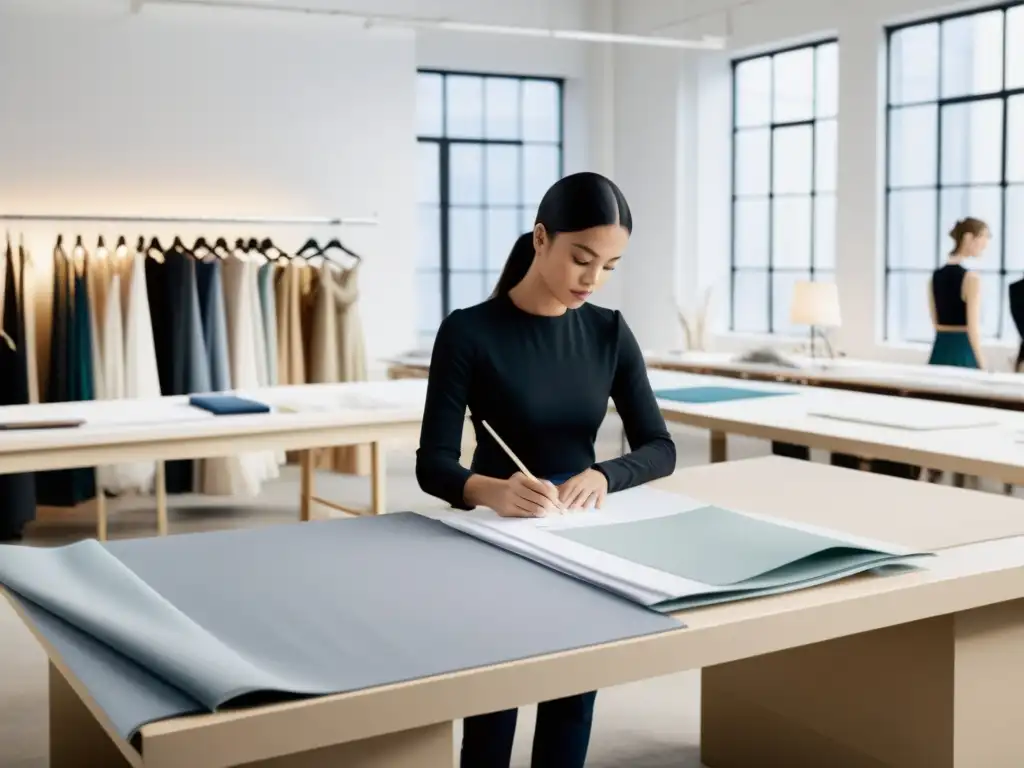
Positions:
(585, 490)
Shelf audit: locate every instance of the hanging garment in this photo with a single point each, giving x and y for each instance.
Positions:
(27, 295)
(291, 360)
(269, 306)
(160, 292)
(17, 491)
(344, 285)
(240, 475)
(258, 326)
(324, 363)
(97, 280)
(140, 372)
(215, 331)
(113, 368)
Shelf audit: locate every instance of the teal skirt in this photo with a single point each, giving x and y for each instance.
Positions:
(953, 348)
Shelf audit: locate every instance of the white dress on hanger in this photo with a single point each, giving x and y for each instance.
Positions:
(111, 347)
(141, 379)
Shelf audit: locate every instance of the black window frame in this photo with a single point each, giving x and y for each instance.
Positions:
(1004, 94)
(770, 269)
(444, 144)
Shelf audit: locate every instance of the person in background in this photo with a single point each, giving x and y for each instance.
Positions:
(954, 297)
(538, 363)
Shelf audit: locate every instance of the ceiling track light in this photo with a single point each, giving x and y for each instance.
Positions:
(707, 42)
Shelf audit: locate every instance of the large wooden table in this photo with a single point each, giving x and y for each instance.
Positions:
(165, 429)
(920, 670)
(944, 383)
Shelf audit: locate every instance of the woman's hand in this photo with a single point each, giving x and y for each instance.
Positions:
(521, 496)
(585, 490)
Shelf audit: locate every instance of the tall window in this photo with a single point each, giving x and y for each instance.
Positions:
(784, 181)
(955, 149)
(490, 146)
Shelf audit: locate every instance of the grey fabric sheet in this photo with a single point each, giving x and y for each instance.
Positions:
(162, 627)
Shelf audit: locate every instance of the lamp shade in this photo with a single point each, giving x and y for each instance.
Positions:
(815, 303)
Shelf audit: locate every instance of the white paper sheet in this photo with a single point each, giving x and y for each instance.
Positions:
(909, 414)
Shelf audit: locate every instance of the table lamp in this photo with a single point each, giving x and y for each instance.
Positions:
(816, 304)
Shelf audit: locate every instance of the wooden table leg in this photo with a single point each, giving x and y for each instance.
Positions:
(938, 692)
(76, 737)
(719, 447)
(306, 485)
(378, 479)
(101, 508)
(160, 486)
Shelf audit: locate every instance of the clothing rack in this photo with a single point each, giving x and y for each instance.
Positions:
(230, 220)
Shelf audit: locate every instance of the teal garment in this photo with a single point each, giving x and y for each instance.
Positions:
(712, 394)
(268, 303)
(953, 348)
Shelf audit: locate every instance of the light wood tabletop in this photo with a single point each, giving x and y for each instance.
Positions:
(917, 670)
(167, 428)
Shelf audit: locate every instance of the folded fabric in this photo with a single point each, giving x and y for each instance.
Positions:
(713, 394)
(227, 405)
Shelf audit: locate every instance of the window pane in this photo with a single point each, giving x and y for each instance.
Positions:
(991, 303)
(985, 203)
(791, 232)
(466, 289)
(503, 174)
(826, 81)
(750, 228)
(1010, 330)
(914, 65)
(429, 104)
(541, 110)
(465, 107)
(502, 231)
(912, 227)
(972, 54)
(1015, 146)
(913, 146)
(825, 232)
(972, 140)
(1014, 246)
(753, 160)
(465, 238)
(825, 151)
(1015, 47)
(909, 317)
(490, 281)
(466, 174)
(782, 297)
(527, 219)
(792, 163)
(793, 85)
(430, 172)
(540, 171)
(430, 237)
(501, 100)
(428, 299)
(750, 301)
(754, 92)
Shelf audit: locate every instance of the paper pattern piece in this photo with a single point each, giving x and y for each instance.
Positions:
(713, 394)
(908, 414)
(669, 553)
(166, 626)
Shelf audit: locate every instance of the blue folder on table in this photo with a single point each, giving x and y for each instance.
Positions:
(712, 394)
(227, 405)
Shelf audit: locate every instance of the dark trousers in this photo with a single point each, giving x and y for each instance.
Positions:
(560, 740)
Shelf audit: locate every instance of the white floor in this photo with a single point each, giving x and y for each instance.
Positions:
(653, 724)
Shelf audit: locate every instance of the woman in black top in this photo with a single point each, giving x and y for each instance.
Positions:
(538, 363)
(954, 296)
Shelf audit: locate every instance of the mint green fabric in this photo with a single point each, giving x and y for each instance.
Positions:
(712, 394)
(723, 548)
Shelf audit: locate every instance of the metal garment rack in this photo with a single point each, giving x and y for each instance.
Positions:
(230, 220)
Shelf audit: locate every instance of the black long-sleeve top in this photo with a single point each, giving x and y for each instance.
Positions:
(543, 384)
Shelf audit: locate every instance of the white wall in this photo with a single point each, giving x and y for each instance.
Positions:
(696, 250)
(205, 113)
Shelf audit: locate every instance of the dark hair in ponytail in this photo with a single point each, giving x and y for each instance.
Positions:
(963, 228)
(573, 203)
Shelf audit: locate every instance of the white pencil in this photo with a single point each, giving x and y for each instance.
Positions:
(511, 455)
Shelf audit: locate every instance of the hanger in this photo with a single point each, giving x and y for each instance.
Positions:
(268, 245)
(336, 243)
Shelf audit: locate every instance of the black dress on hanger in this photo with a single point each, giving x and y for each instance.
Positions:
(17, 491)
(1016, 292)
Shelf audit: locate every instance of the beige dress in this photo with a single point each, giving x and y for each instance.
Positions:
(351, 356)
